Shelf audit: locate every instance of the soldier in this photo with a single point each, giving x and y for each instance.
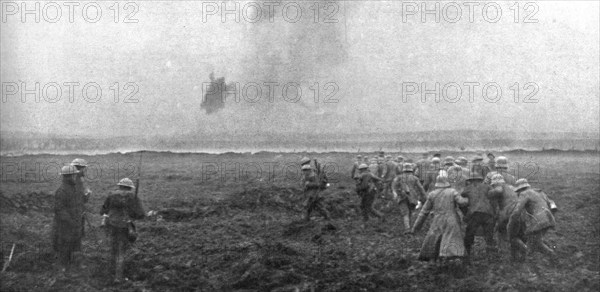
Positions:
(355, 166)
(410, 193)
(389, 173)
(456, 176)
(491, 161)
(366, 188)
(312, 192)
(400, 164)
(502, 169)
(366, 160)
(422, 167)
(463, 163)
(380, 166)
(445, 238)
(431, 174)
(480, 167)
(119, 209)
(374, 167)
(68, 223)
(481, 213)
(538, 219)
(81, 188)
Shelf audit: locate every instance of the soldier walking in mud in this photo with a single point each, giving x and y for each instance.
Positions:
(367, 191)
(312, 191)
(480, 213)
(410, 194)
(534, 207)
(68, 221)
(120, 208)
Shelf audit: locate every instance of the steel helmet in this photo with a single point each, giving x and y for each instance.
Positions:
(522, 184)
(126, 182)
(441, 181)
(449, 160)
(461, 160)
(306, 167)
(68, 169)
(408, 167)
(304, 160)
(497, 179)
(477, 158)
(363, 166)
(501, 162)
(79, 162)
(435, 160)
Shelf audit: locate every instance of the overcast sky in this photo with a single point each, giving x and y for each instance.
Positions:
(363, 60)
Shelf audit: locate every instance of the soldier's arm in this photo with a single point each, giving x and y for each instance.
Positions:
(423, 214)
(312, 182)
(61, 205)
(421, 190)
(516, 213)
(105, 206)
(460, 200)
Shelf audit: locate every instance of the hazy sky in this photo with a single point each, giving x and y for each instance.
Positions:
(364, 60)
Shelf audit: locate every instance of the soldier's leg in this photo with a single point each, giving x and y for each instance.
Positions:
(121, 242)
(309, 208)
(405, 212)
(364, 206)
(470, 233)
(537, 243)
(322, 208)
(371, 207)
(488, 233)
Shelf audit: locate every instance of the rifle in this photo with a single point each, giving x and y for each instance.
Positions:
(137, 181)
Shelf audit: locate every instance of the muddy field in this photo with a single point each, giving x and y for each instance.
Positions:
(231, 222)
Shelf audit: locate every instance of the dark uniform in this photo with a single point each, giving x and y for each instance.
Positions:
(122, 206)
(68, 223)
(366, 189)
(312, 192)
(481, 213)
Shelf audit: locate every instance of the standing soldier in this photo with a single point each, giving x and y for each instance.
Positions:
(481, 213)
(366, 160)
(400, 164)
(491, 161)
(380, 166)
(502, 169)
(455, 174)
(389, 173)
(374, 167)
(463, 163)
(367, 190)
(119, 210)
(355, 166)
(480, 167)
(445, 238)
(410, 194)
(68, 223)
(305, 160)
(82, 189)
(431, 174)
(538, 219)
(312, 192)
(422, 167)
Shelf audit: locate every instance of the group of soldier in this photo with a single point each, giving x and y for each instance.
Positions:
(120, 208)
(464, 198)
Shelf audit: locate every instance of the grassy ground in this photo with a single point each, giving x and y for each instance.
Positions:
(231, 222)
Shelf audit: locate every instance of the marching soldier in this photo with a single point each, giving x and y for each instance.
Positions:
(374, 167)
(389, 173)
(366, 188)
(312, 192)
(120, 208)
(422, 167)
(480, 167)
(501, 168)
(400, 164)
(68, 220)
(481, 213)
(539, 218)
(410, 194)
(355, 166)
(431, 174)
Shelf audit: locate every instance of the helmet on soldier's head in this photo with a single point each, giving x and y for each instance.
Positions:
(497, 179)
(68, 169)
(388, 157)
(438, 155)
(522, 184)
(441, 181)
(475, 175)
(502, 162)
(306, 167)
(363, 166)
(449, 160)
(359, 156)
(126, 182)
(461, 161)
(79, 162)
(477, 158)
(304, 160)
(400, 158)
(435, 160)
(407, 167)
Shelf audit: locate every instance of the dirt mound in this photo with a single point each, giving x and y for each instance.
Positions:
(36, 201)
